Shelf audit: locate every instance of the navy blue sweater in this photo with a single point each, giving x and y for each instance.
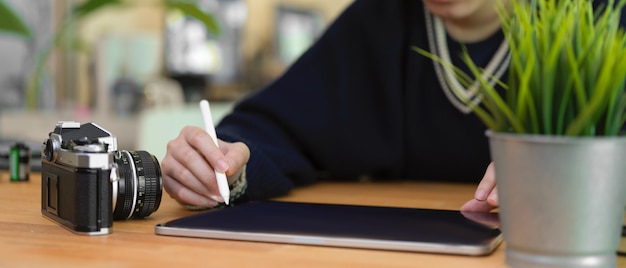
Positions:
(359, 103)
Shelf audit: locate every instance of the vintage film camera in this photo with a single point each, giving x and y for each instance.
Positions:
(86, 182)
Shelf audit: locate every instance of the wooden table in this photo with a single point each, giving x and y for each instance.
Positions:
(29, 240)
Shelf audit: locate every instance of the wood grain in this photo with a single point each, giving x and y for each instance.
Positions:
(29, 240)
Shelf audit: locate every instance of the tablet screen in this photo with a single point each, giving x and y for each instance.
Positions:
(374, 227)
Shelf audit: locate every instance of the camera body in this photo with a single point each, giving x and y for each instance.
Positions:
(87, 182)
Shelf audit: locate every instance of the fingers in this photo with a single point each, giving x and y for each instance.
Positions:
(185, 195)
(492, 199)
(477, 205)
(190, 162)
(487, 184)
(187, 165)
(488, 219)
(236, 154)
(486, 195)
(181, 176)
(200, 140)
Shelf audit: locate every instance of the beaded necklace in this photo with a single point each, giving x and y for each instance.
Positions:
(462, 98)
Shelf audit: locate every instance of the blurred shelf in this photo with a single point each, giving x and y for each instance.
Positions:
(149, 130)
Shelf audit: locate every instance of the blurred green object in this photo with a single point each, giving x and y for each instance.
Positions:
(188, 7)
(91, 6)
(11, 22)
(191, 9)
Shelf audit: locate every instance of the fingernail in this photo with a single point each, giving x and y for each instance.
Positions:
(222, 165)
(210, 204)
(480, 195)
(217, 199)
(493, 196)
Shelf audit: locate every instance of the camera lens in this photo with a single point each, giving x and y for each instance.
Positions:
(139, 186)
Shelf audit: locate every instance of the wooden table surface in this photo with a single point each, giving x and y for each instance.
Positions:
(27, 239)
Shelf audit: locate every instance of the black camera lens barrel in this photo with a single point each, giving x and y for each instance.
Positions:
(139, 186)
(153, 183)
(123, 197)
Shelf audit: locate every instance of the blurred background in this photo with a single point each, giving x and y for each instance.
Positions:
(139, 67)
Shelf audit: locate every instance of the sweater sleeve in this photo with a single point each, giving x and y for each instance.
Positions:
(293, 126)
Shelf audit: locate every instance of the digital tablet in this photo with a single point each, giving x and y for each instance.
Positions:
(370, 227)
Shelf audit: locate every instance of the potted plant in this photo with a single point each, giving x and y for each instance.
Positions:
(555, 132)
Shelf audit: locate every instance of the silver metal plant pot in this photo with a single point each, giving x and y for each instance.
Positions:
(561, 199)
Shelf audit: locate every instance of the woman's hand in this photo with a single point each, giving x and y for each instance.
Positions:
(486, 195)
(190, 162)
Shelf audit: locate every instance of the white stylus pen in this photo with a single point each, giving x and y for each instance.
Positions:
(222, 182)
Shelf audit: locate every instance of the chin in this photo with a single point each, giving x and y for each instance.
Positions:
(446, 9)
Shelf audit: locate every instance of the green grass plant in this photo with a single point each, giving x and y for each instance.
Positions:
(567, 72)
